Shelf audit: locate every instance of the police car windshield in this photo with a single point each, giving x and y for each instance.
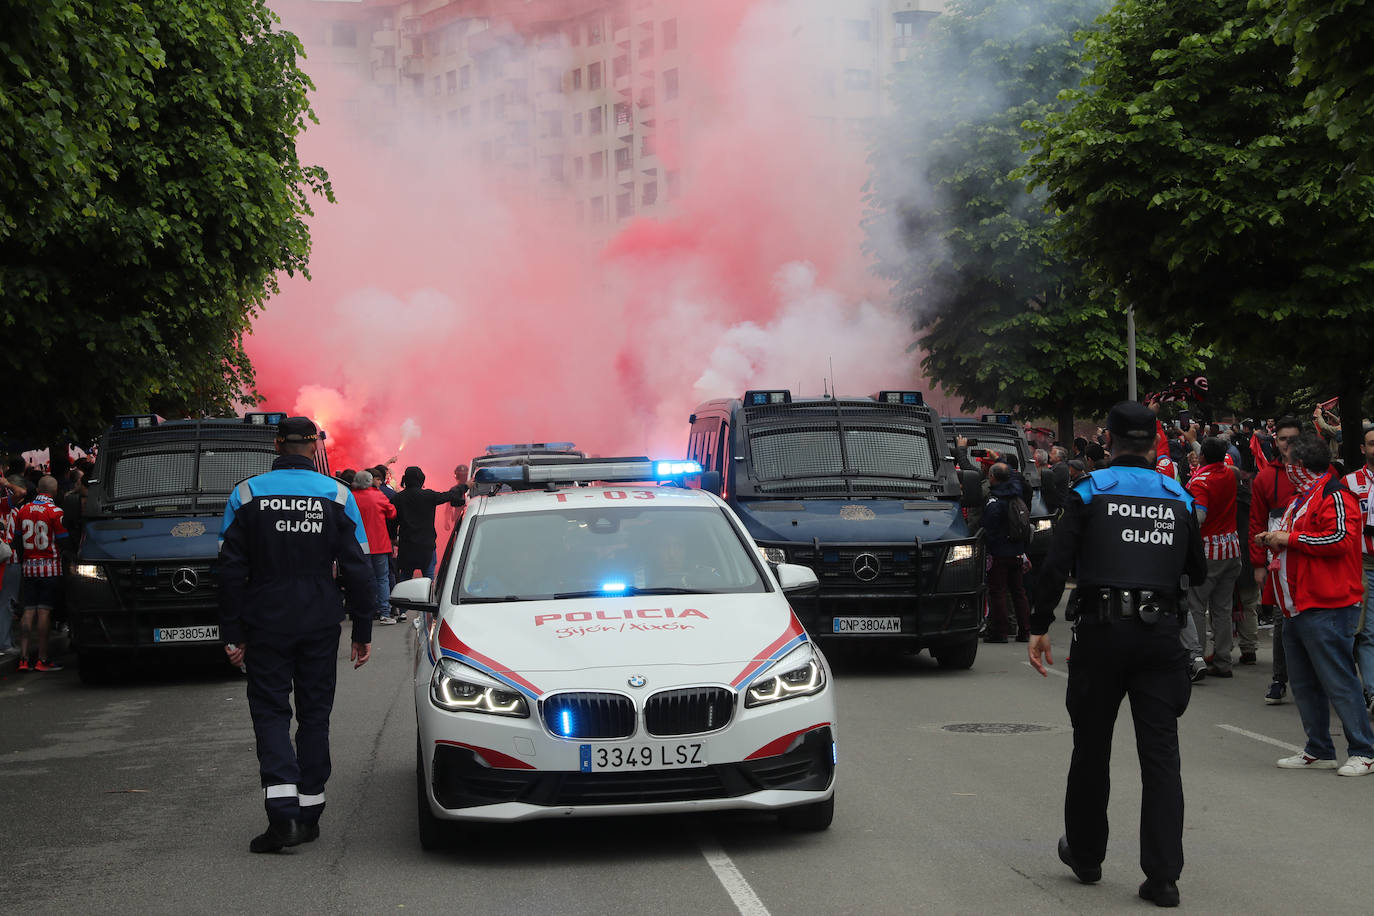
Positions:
(570, 553)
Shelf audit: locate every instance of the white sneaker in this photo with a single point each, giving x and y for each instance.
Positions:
(1357, 766)
(1304, 762)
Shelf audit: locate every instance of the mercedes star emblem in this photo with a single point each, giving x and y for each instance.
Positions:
(866, 567)
(637, 681)
(184, 580)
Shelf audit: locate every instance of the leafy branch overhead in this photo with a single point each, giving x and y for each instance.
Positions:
(150, 191)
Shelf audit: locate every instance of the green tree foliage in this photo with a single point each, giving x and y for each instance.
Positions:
(149, 192)
(1192, 179)
(1006, 322)
(1333, 46)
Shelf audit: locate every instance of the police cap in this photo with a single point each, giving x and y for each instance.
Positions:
(297, 429)
(1132, 421)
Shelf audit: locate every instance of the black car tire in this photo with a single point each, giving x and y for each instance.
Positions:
(957, 656)
(434, 833)
(815, 816)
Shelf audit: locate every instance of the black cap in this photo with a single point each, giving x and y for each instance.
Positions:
(297, 429)
(1132, 421)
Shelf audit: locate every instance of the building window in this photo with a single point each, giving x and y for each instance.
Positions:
(646, 145)
(670, 86)
(624, 205)
(577, 78)
(622, 115)
(594, 32)
(575, 39)
(669, 34)
(646, 47)
(553, 167)
(451, 81)
(343, 35)
(650, 195)
(451, 118)
(438, 83)
(598, 205)
(912, 24)
(578, 167)
(597, 164)
(594, 76)
(859, 29)
(674, 184)
(624, 159)
(858, 79)
(621, 66)
(594, 120)
(465, 115)
(553, 124)
(577, 124)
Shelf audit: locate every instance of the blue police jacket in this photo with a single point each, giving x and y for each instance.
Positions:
(283, 533)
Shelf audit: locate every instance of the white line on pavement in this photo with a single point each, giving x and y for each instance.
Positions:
(1258, 737)
(741, 894)
(1048, 668)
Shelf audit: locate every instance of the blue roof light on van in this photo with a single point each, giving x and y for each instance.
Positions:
(760, 398)
(264, 419)
(910, 398)
(1003, 418)
(137, 421)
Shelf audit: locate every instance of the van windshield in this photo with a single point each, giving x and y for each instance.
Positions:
(827, 456)
(180, 476)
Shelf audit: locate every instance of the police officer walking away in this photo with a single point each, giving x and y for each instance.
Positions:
(1131, 534)
(280, 610)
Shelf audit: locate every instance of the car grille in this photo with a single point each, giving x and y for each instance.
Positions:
(149, 588)
(906, 568)
(689, 711)
(589, 715)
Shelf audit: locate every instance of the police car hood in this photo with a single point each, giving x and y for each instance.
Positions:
(540, 646)
(112, 540)
(860, 521)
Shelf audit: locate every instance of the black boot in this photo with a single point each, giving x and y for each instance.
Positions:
(279, 834)
(1160, 893)
(1082, 873)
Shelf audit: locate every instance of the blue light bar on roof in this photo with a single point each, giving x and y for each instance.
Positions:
(1004, 418)
(264, 419)
(760, 398)
(912, 398)
(516, 448)
(589, 471)
(613, 588)
(137, 421)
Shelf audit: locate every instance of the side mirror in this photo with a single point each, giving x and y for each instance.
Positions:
(794, 578)
(971, 485)
(711, 481)
(413, 595)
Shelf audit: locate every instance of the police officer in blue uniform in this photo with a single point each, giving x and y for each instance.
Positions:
(1131, 534)
(283, 533)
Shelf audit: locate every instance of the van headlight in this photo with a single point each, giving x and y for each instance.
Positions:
(455, 688)
(89, 571)
(795, 681)
(1043, 524)
(773, 554)
(960, 553)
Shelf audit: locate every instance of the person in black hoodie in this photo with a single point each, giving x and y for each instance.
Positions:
(415, 522)
(1004, 576)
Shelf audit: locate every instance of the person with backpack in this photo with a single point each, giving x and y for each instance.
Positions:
(1007, 529)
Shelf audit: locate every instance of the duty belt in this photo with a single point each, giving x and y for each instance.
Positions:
(1098, 604)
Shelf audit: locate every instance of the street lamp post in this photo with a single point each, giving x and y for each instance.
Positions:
(1130, 353)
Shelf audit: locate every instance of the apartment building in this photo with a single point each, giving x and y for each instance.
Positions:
(588, 100)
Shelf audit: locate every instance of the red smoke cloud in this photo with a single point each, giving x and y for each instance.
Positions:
(463, 301)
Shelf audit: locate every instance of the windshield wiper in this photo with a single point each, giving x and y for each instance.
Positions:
(631, 590)
(495, 599)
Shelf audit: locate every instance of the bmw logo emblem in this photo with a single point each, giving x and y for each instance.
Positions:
(637, 681)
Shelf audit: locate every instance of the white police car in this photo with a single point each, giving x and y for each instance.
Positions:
(614, 649)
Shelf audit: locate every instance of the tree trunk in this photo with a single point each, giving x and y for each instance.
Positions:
(1064, 420)
(1351, 392)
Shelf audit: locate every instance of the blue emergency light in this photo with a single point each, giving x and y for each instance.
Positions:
(588, 471)
(137, 421)
(754, 398)
(910, 398)
(1004, 418)
(613, 588)
(520, 447)
(264, 419)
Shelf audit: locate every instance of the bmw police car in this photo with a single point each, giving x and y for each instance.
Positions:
(616, 648)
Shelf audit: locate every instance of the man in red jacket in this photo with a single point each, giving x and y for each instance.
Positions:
(376, 511)
(1319, 583)
(1270, 494)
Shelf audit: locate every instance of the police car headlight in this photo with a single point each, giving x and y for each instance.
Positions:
(959, 553)
(1042, 525)
(88, 571)
(452, 687)
(773, 554)
(794, 681)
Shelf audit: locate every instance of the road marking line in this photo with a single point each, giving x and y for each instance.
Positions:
(741, 894)
(1258, 737)
(1049, 669)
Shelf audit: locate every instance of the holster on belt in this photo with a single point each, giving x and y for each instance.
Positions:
(1102, 604)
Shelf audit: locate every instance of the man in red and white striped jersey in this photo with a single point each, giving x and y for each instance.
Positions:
(1361, 483)
(1213, 489)
(38, 529)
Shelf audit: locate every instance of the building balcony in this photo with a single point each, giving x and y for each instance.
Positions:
(386, 39)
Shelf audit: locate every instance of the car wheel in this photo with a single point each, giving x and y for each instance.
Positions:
(434, 833)
(957, 657)
(94, 670)
(816, 816)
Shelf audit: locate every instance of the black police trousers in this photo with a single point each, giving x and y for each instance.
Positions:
(293, 777)
(1108, 661)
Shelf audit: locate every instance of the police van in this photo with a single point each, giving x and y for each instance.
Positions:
(143, 578)
(865, 492)
(997, 432)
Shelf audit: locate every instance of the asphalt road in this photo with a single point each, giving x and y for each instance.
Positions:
(141, 798)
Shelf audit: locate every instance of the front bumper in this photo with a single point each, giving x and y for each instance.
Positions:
(927, 620)
(121, 615)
